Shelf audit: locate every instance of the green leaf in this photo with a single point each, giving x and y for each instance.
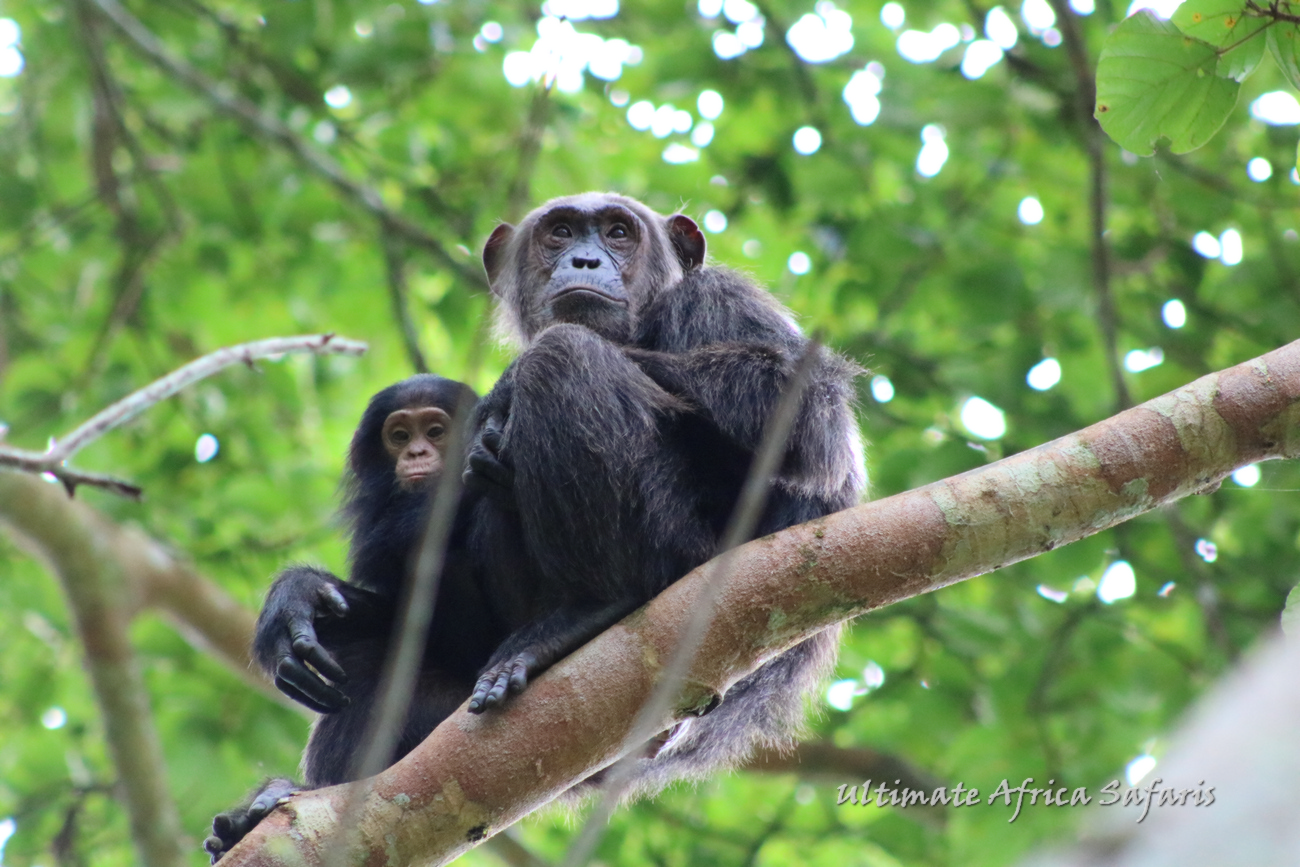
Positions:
(1225, 25)
(1284, 43)
(1291, 614)
(1153, 81)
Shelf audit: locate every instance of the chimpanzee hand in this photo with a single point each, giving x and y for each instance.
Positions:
(286, 644)
(538, 646)
(670, 371)
(230, 827)
(488, 473)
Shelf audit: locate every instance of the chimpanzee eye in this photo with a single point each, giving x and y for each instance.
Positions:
(435, 432)
(618, 230)
(399, 436)
(561, 230)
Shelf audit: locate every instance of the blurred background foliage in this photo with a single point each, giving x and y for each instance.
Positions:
(916, 181)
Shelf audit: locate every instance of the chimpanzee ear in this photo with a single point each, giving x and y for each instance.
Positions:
(687, 240)
(494, 252)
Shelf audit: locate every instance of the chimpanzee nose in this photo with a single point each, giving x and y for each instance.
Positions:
(580, 263)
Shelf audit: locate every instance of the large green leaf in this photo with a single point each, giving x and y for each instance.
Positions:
(1153, 82)
(1225, 25)
(1284, 43)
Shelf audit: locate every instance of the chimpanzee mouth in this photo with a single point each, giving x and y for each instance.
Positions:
(579, 289)
(418, 472)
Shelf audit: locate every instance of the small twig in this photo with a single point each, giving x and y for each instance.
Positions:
(293, 83)
(740, 529)
(530, 144)
(1206, 595)
(399, 295)
(138, 244)
(107, 90)
(1085, 98)
(52, 460)
(265, 125)
(798, 67)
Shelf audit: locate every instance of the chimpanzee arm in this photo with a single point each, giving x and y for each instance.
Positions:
(286, 643)
(535, 648)
(736, 388)
(724, 345)
(735, 385)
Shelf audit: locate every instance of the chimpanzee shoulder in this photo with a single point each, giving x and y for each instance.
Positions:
(714, 304)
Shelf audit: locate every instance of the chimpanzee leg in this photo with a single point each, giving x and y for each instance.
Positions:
(602, 501)
(601, 498)
(338, 739)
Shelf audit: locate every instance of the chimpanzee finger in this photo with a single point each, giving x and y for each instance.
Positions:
(234, 824)
(519, 670)
(488, 467)
(491, 438)
(215, 846)
(490, 690)
(218, 846)
(488, 476)
(496, 696)
(478, 698)
(334, 601)
(267, 799)
(302, 685)
(227, 830)
(303, 698)
(307, 649)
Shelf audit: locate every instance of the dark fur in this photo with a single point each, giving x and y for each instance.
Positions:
(302, 617)
(623, 442)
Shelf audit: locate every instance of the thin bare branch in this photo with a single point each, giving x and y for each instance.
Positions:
(530, 144)
(138, 244)
(1085, 95)
(52, 460)
(265, 125)
(399, 294)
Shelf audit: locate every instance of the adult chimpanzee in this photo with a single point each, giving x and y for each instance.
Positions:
(622, 435)
(324, 640)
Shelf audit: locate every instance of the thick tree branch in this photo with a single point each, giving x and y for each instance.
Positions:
(95, 586)
(52, 460)
(54, 529)
(475, 775)
(39, 515)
